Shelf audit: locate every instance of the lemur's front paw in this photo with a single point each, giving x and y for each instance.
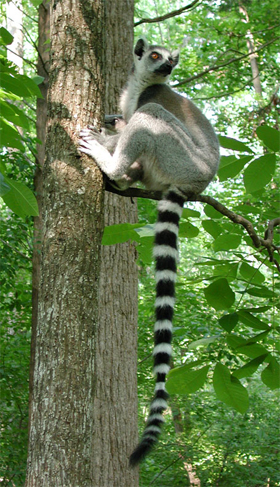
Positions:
(91, 144)
(90, 141)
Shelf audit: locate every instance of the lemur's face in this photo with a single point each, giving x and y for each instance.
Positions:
(154, 62)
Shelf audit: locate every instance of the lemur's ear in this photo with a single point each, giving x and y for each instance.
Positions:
(141, 46)
(175, 56)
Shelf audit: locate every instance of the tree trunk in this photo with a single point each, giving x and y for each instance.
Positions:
(83, 414)
(61, 421)
(115, 406)
(41, 122)
(14, 25)
(253, 56)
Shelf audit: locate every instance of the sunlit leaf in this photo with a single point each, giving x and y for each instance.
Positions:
(20, 199)
(6, 37)
(229, 389)
(211, 212)
(271, 374)
(202, 342)
(230, 143)
(250, 368)
(219, 294)
(187, 230)
(259, 173)
(232, 167)
(189, 213)
(185, 380)
(269, 136)
(251, 274)
(212, 227)
(226, 241)
(114, 234)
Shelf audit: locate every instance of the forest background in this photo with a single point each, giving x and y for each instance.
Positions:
(222, 426)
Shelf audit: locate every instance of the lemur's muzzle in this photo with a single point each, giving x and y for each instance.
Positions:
(165, 69)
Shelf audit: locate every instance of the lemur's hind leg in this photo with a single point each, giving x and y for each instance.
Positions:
(133, 142)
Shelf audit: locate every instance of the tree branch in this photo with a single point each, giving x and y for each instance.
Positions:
(167, 16)
(226, 63)
(258, 242)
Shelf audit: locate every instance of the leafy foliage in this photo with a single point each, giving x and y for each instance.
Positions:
(14, 87)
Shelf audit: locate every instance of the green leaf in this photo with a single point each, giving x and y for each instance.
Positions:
(271, 374)
(4, 187)
(259, 173)
(6, 37)
(259, 337)
(20, 85)
(230, 143)
(270, 137)
(229, 321)
(13, 114)
(187, 230)
(9, 136)
(252, 350)
(226, 241)
(145, 250)
(145, 230)
(189, 213)
(231, 166)
(36, 3)
(247, 209)
(20, 199)
(212, 227)
(38, 79)
(184, 380)
(227, 269)
(251, 320)
(251, 274)
(235, 341)
(211, 212)
(219, 295)
(250, 368)
(114, 234)
(261, 292)
(229, 389)
(202, 342)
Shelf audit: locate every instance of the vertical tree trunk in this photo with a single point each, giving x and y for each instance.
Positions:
(41, 122)
(61, 419)
(115, 406)
(14, 26)
(253, 56)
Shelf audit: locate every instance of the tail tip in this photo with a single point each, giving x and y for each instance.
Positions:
(140, 453)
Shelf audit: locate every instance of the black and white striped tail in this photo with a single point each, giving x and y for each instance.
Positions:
(165, 253)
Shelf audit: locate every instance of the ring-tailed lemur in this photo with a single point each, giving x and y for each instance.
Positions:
(170, 146)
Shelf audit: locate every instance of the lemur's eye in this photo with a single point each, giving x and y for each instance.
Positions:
(156, 55)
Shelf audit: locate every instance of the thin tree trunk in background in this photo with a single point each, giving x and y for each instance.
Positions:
(253, 56)
(41, 122)
(62, 431)
(115, 406)
(14, 17)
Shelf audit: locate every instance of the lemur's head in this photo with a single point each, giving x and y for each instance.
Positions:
(153, 63)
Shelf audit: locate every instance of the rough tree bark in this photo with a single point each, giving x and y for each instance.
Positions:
(115, 402)
(61, 418)
(83, 413)
(41, 122)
